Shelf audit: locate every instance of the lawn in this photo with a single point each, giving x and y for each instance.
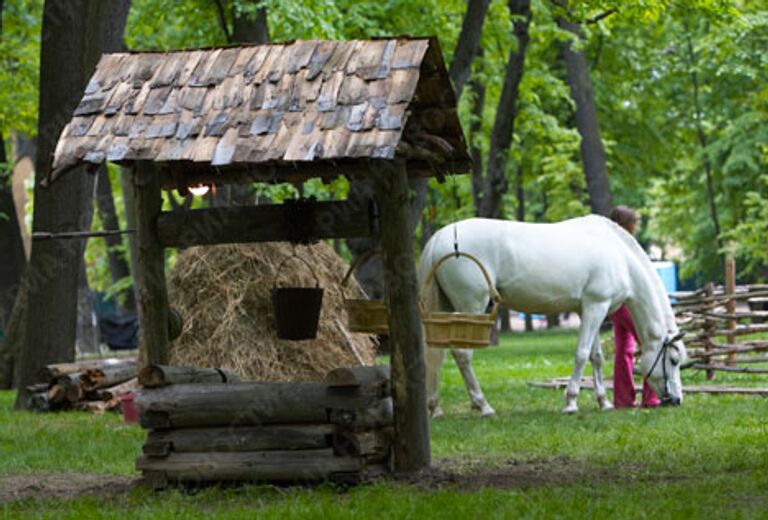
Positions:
(707, 458)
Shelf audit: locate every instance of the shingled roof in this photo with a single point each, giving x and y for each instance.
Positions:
(273, 111)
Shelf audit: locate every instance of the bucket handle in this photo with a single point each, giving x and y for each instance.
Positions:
(495, 298)
(297, 257)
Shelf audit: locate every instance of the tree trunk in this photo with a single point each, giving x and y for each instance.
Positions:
(475, 129)
(129, 206)
(11, 243)
(699, 117)
(118, 266)
(468, 44)
(496, 184)
(75, 33)
(592, 149)
(87, 335)
(14, 336)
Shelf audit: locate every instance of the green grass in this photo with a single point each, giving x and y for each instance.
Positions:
(708, 458)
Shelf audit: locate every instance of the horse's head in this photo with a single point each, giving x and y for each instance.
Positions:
(661, 366)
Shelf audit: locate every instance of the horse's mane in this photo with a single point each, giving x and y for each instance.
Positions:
(645, 262)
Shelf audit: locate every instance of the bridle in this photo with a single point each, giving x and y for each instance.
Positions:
(669, 342)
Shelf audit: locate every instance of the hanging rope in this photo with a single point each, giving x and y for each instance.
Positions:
(455, 206)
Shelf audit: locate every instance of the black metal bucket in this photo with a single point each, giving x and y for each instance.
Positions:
(297, 309)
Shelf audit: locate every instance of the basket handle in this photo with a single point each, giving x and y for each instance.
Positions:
(297, 257)
(358, 261)
(495, 298)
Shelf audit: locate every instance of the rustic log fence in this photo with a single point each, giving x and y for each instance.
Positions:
(721, 324)
(338, 430)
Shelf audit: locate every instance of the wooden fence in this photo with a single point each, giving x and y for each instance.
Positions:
(721, 323)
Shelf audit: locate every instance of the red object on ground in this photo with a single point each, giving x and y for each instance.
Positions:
(129, 408)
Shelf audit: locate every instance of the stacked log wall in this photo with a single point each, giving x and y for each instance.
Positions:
(338, 430)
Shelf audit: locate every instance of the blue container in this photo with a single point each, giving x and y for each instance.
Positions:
(668, 273)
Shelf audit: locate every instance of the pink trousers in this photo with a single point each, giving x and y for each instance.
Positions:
(623, 362)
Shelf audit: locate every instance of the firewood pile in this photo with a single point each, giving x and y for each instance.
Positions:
(92, 385)
(721, 324)
(204, 427)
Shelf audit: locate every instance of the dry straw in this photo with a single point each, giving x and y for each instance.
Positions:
(223, 293)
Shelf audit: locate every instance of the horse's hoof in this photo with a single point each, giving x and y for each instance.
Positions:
(437, 413)
(487, 412)
(570, 408)
(604, 404)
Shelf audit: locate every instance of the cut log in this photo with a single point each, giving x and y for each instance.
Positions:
(38, 402)
(272, 466)
(374, 443)
(61, 387)
(221, 404)
(378, 415)
(106, 377)
(358, 376)
(154, 376)
(116, 391)
(240, 439)
(48, 372)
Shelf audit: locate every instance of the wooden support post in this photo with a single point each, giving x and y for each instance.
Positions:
(730, 306)
(709, 326)
(150, 266)
(412, 442)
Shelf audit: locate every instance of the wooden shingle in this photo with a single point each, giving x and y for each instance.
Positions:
(240, 108)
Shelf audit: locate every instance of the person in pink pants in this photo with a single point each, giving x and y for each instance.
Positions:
(625, 336)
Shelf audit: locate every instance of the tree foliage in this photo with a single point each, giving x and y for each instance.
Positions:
(651, 117)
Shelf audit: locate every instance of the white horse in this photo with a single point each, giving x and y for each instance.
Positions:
(588, 265)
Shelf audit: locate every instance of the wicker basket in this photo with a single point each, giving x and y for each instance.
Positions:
(369, 316)
(456, 329)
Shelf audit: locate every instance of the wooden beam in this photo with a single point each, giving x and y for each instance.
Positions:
(150, 266)
(267, 223)
(412, 443)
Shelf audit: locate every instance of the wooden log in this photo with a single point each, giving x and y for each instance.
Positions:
(740, 330)
(412, 451)
(106, 377)
(720, 299)
(114, 392)
(154, 376)
(379, 415)
(48, 372)
(358, 376)
(242, 438)
(38, 402)
(264, 223)
(743, 370)
(61, 387)
(250, 403)
(271, 466)
(373, 443)
(38, 387)
(150, 266)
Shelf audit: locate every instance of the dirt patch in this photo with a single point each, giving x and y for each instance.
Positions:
(517, 474)
(61, 485)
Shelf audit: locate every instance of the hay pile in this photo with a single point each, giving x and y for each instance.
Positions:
(224, 295)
